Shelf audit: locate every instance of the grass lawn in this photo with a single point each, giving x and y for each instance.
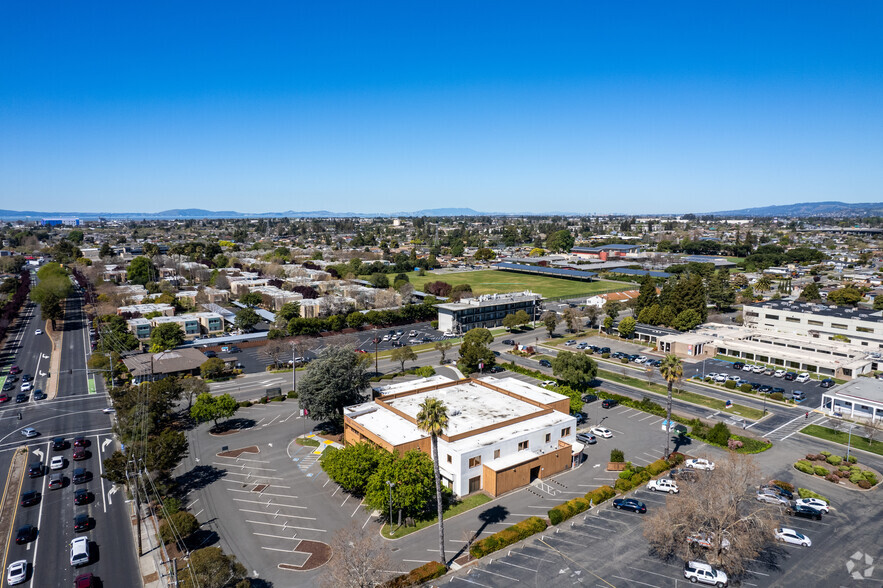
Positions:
(842, 437)
(736, 409)
(467, 503)
(306, 442)
(496, 281)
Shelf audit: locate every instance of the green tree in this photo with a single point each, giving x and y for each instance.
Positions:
(212, 368)
(627, 327)
(720, 293)
(443, 347)
(352, 466)
(180, 524)
(75, 236)
(811, 293)
(846, 296)
(105, 251)
(574, 369)
(592, 313)
(252, 299)
(719, 434)
(763, 283)
(608, 323)
(355, 319)
(480, 336)
(550, 321)
(522, 318)
(672, 370)
(611, 309)
(212, 568)
(412, 478)
(687, 319)
(334, 380)
(878, 302)
(646, 295)
(433, 418)
(484, 254)
(166, 336)
(668, 317)
(288, 311)
(246, 319)
(379, 280)
(141, 270)
(403, 354)
(560, 241)
(474, 352)
(213, 408)
(165, 451)
(509, 321)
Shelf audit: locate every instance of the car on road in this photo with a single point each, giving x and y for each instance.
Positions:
(27, 378)
(29, 498)
(38, 331)
(586, 438)
(39, 395)
(57, 463)
(80, 453)
(17, 572)
(8, 387)
(15, 370)
(35, 469)
(81, 476)
(545, 363)
(786, 535)
(25, 534)
(26, 387)
(58, 444)
(699, 463)
(601, 432)
(80, 442)
(508, 342)
(587, 398)
(631, 504)
(21, 397)
(108, 410)
(663, 485)
(79, 551)
(56, 481)
(807, 512)
(772, 498)
(82, 496)
(803, 377)
(4, 398)
(85, 581)
(697, 571)
(609, 403)
(82, 523)
(706, 540)
(29, 432)
(815, 503)
(827, 383)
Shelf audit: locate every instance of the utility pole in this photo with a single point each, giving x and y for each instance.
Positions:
(137, 506)
(375, 341)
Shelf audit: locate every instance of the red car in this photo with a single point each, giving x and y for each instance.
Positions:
(15, 370)
(80, 442)
(4, 398)
(85, 581)
(79, 453)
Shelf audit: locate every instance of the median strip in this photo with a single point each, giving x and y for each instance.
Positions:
(9, 502)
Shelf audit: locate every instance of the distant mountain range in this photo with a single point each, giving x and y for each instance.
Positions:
(805, 209)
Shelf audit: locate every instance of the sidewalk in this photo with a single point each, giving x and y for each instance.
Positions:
(153, 573)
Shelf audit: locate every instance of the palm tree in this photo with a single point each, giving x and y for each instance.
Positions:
(764, 283)
(433, 418)
(672, 370)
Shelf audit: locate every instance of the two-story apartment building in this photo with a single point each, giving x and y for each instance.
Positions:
(193, 325)
(502, 433)
(486, 311)
(861, 326)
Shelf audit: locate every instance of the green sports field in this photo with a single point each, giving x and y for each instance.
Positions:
(496, 281)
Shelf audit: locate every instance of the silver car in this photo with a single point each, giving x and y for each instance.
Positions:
(772, 498)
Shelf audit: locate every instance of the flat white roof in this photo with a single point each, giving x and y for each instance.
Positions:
(860, 389)
(384, 423)
(540, 422)
(532, 391)
(409, 384)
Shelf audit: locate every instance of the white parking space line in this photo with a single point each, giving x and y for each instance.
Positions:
(242, 466)
(277, 514)
(637, 413)
(243, 459)
(269, 503)
(487, 571)
(277, 549)
(649, 416)
(503, 561)
(637, 582)
(262, 493)
(272, 421)
(783, 426)
(255, 476)
(286, 526)
(293, 538)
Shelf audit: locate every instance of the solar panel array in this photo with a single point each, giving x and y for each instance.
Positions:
(639, 272)
(546, 271)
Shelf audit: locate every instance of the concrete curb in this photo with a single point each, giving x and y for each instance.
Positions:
(57, 338)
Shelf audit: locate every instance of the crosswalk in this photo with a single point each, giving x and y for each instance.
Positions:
(791, 427)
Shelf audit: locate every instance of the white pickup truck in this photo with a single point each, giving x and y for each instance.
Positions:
(663, 485)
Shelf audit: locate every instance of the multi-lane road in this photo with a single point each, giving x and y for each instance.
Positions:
(75, 411)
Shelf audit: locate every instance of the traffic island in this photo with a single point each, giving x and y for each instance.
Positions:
(9, 503)
(57, 337)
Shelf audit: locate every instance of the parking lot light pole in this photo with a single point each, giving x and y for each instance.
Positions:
(390, 484)
(849, 442)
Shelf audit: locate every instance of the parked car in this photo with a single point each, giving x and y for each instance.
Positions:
(786, 535)
(570, 342)
(587, 398)
(631, 504)
(815, 503)
(798, 510)
(234, 349)
(608, 403)
(827, 383)
(779, 374)
(747, 368)
(803, 377)
(697, 571)
(209, 353)
(758, 369)
(26, 386)
(604, 350)
(772, 498)
(601, 432)
(778, 391)
(586, 438)
(738, 365)
(779, 490)
(699, 463)
(790, 376)
(721, 378)
(581, 417)
(663, 485)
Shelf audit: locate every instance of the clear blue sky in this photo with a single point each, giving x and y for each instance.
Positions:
(387, 106)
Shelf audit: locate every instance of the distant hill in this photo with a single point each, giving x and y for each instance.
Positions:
(804, 209)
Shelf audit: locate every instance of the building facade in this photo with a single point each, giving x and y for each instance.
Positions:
(817, 321)
(861, 399)
(486, 311)
(502, 433)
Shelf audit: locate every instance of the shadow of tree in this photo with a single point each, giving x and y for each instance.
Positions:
(198, 478)
(489, 516)
(681, 441)
(232, 425)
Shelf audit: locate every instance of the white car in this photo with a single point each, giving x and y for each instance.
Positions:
(804, 377)
(17, 572)
(663, 485)
(108, 410)
(748, 368)
(601, 432)
(447, 334)
(779, 374)
(815, 503)
(786, 535)
(721, 377)
(699, 463)
(712, 375)
(29, 432)
(38, 332)
(26, 386)
(57, 463)
(758, 369)
(698, 571)
(734, 378)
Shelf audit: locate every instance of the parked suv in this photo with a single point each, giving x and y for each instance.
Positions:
(697, 571)
(608, 403)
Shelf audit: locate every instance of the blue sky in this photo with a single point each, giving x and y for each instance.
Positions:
(634, 107)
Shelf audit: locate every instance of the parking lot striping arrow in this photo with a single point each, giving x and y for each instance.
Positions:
(105, 442)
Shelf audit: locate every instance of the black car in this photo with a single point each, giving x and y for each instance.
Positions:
(779, 490)
(630, 504)
(790, 376)
(8, 387)
(508, 342)
(234, 349)
(82, 522)
(608, 403)
(39, 395)
(545, 363)
(35, 469)
(497, 369)
(589, 398)
(81, 476)
(799, 510)
(604, 350)
(586, 438)
(827, 383)
(25, 534)
(765, 389)
(755, 385)
(29, 498)
(26, 378)
(59, 444)
(82, 496)
(21, 397)
(11, 379)
(209, 353)
(777, 391)
(738, 365)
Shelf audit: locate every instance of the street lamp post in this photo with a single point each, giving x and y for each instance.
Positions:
(376, 340)
(390, 484)
(849, 442)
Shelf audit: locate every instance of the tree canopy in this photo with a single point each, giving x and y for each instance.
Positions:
(213, 408)
(574, 369)
(141, 270)
(332, 381)
(165, 336)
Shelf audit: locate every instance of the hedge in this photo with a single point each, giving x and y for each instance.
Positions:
(562, 512)
(834, 460)
(820, 471)
(508, 536)
(600, 494)
(426, 572)
(806, 493)
(804, 466)
(657, 467)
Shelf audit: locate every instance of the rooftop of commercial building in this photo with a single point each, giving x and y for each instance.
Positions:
(863, 314)
(491, 300)
(869, 389)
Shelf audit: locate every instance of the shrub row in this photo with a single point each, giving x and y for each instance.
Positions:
(562, 512)
(805, 493)
(804, 466)
(508, 536)
(424, 371)
(428, 571)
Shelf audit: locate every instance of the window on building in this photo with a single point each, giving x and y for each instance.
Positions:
(474, 462)
(496, 454)
(548, 437)
(450, 459)
(864, 329)
(565, 431)
(814, 323)
(838, 326)
(522, 445)
(792, 319)
(773, 317)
